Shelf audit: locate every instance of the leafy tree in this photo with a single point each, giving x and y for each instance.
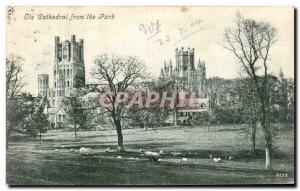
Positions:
(249, 105)
(75, 112)
(39, 122)
(16, 110)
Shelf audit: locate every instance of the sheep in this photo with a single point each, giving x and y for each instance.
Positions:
(132, 158)
(230, 157)
(153, 156)
(107, 150)
(177, 154)
(183, 160)
(217, 160)
(119, 157)
(84, 150)
(161, 152)
(210, 156)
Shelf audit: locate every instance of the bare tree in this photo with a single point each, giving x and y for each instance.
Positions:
(119, 74)
(250, 41)
(14, 77)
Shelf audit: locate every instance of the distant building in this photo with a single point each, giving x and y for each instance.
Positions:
(68, 78)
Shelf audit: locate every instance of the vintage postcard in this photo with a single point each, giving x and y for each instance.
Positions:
(150, 96)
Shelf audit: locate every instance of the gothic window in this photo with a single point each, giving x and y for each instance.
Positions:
(54, 72)
(65, 53)
(55, 84)
(68, 73)
(68, 84)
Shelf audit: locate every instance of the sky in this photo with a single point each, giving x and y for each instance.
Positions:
(151, 33)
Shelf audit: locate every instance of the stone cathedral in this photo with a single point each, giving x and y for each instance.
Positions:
(68, 78)
(185, 72)
(186, 76)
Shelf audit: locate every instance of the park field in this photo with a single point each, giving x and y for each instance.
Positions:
(56, 160)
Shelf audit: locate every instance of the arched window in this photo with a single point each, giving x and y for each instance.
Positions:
(68, 84)
(65, 53)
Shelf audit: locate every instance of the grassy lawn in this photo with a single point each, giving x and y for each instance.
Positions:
(56, 161)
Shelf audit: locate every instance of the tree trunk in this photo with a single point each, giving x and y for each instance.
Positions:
(75, 131)
(268, 148)
(208, 126)
(268, 140)
(40, 135)
(175, 118)
(120, 135)
(253, 138)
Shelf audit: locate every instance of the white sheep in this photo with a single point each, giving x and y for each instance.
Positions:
(217, 160)
(84, 150)
(153, 156)
(177, 154)
(184, 160)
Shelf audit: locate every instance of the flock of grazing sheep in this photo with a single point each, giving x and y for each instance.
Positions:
(151, 155)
